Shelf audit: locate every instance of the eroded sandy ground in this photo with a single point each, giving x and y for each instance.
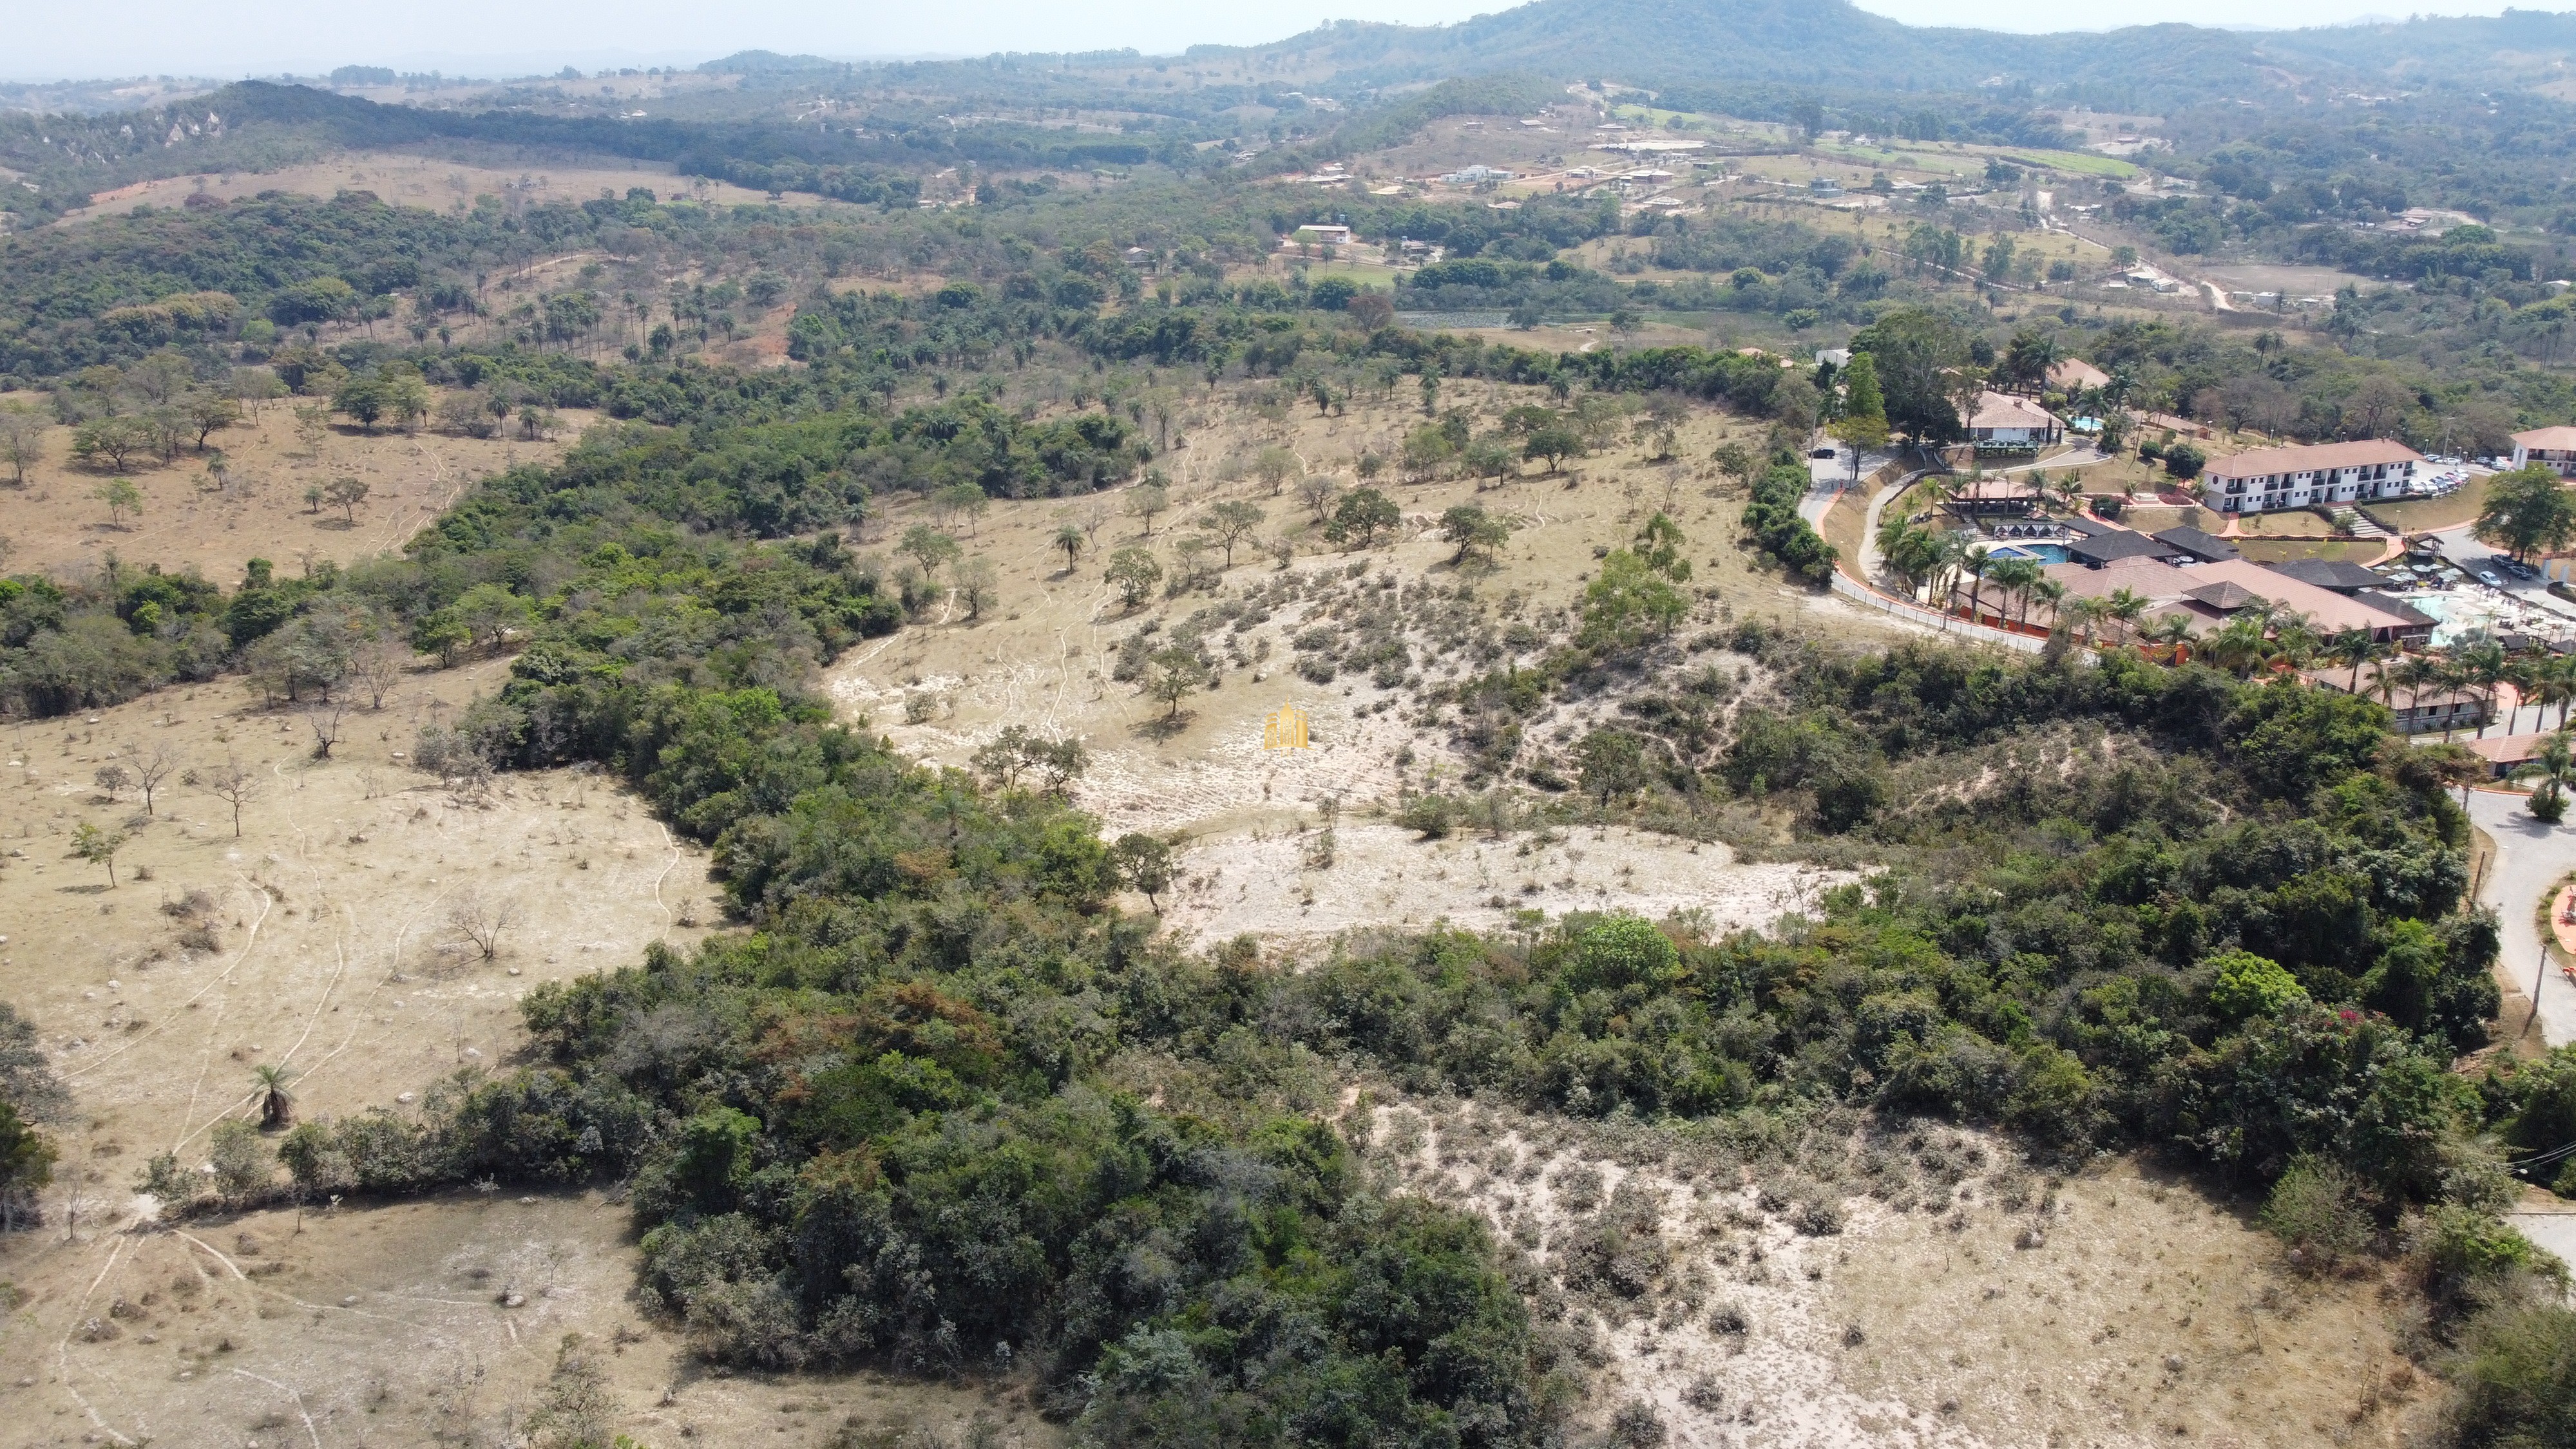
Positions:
(434, 1322)
(1921, 1287)
(1383, 876)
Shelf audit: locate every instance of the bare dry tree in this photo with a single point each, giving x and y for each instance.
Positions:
(480, 916)
(328, 717)
(232, 782)
(376, 667)
(151, 767)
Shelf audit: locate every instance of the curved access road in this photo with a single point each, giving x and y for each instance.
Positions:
(2531, 859)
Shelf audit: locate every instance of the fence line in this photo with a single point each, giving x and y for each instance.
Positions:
(1851, 588)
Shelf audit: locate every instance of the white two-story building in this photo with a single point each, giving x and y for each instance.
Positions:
(2317, 475)
(2554, 448)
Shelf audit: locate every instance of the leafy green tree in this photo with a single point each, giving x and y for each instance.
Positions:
(1915, 355)
(361, 397)
(928, 548)
(1231, 522)
(117, 439)
(1555, 443)
(1863, 424)
(1071, 539)
(2251, 985)
(1470, 527)
(1360, 516)
(1491, 457)
(26, 1166)
(1144, 864)
(2528, 510)
(98, 847)
(490, 612)
(442, 633)
(1173, 673)
(1612, 764)
(121, 497)
(1659, 545)
(1133, 572)
(1627, 604)
(345, 494)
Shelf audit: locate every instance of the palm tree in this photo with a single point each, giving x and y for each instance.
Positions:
(2174, 632)
(276, 1108)
(2015, 576)
(2052, 593)
(2125, 607)
(2450, 676)
(1975, 562)
(2484, 665)
(2239, 646)
(2554, 762)
(2354, 647)
(2415, 673)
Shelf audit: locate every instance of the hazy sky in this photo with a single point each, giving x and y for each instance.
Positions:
(47, 40)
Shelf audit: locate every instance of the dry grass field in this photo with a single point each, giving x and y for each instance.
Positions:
(426, 181)
(1963, 1299)
(1908, 1284)
(56, 525)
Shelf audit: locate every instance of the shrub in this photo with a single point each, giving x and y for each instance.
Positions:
(2251, 985)
(2515, 1387)
(2316, 1208)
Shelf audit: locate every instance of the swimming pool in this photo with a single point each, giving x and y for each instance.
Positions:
(2044, 552)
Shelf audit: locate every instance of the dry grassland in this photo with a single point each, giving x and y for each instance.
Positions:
(56, 526)
(1042, 658)
(1908, 1284)
(426, 181)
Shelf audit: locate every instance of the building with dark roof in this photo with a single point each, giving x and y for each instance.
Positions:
(2340, 575)
(2200, 547)
(2116, 545)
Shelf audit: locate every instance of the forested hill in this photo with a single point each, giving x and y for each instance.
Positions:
(1832, 43)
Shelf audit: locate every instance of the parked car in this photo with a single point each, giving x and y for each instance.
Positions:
(2488, 578)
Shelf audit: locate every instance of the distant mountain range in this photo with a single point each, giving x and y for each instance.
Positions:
(1834, 44)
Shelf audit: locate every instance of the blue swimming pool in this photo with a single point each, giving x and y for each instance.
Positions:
(2044, 552)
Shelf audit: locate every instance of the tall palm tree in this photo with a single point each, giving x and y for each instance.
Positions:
(1975, 562)
(2015, 576)
(2415, 674)
(2451, 677)
(2125, 608)
(2353, 647)
(2485, 665)
(2174, 632)
(2078, 618)
(2239, 646)
(2052, 593)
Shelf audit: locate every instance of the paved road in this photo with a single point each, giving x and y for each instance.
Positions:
(2531, 858)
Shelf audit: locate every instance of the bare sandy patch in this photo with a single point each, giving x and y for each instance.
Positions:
(435, 1321)
(1964, 1298)
(1382, 875)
